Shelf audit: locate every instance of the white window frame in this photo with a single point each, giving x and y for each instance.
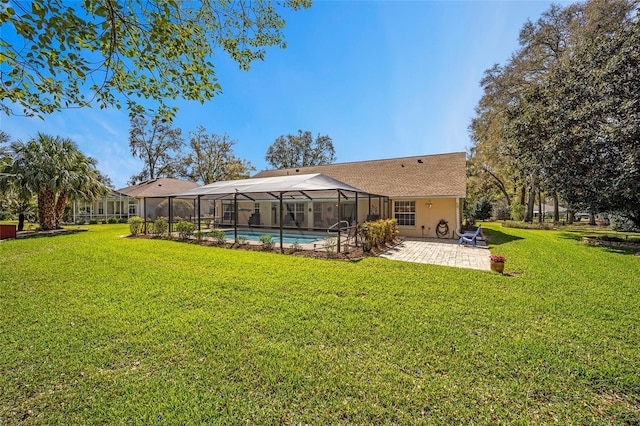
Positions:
(404, 211)
(296, 212)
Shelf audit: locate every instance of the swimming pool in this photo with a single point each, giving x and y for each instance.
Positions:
(286, 238)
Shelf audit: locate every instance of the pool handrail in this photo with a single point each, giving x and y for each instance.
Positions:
(331, 228)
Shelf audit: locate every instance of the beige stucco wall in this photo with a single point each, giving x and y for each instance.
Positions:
(429, 211)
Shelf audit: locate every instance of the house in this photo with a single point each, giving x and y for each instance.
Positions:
(424, 193)
(147, 199)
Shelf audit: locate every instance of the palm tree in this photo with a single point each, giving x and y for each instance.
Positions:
(55, 170)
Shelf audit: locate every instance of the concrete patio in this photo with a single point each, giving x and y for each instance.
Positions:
(440, 252)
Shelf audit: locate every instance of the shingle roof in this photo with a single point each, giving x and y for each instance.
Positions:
(440, 175)
(159, 187)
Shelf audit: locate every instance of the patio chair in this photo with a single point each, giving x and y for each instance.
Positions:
(470, 236)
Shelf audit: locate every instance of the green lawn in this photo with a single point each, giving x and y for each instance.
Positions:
(95, 328)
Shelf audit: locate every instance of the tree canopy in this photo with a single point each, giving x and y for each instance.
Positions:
(300, 150)
(60, 54)
(158, 145)
(561, 117)
(211, 158)
(582, 125)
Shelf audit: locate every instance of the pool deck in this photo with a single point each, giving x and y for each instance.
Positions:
(433, 251)
(444, 252)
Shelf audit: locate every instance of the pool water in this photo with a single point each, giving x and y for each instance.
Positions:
(286, 238)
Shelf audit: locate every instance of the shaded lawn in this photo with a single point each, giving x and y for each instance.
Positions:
(95, 328)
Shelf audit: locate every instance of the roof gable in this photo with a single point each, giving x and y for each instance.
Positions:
(159, 187)
(440, 175)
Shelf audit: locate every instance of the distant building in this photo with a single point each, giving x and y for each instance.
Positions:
(146, 199)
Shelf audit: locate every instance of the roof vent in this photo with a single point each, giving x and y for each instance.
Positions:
(420, 160)
(297, 170)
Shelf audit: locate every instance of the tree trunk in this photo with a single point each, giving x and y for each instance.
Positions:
(46, 209)
(592, 218)
(571, 216)
(540, 214)
(59, 210)
(20, 222)
(556, 208)
(523, 192)
(528, 217)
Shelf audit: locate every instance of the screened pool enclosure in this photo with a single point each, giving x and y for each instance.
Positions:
(295, 204)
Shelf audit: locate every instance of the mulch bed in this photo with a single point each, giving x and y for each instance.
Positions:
(354, 253)
(609, 242)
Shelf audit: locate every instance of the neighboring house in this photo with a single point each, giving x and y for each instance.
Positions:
(421, 190)
(147, 199)
(152, 197)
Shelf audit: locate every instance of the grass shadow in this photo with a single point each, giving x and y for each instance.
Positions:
(571, 235)
(496, 237)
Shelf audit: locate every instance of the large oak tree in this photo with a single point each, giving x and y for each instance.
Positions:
(513, 126)
(158, 145)
(582, 125)
(61, 54)
(301, 150)
(211, 158)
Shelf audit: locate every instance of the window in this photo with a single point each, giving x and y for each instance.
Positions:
(100, 207)
(405, 213)
(227, 212)
(132, 208)
(295, 213)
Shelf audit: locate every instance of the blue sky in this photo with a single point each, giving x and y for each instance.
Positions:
(382, 78)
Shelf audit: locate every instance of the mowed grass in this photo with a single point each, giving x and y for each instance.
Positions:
(99, 329)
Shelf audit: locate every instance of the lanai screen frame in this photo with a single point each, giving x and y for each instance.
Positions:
(293, 187)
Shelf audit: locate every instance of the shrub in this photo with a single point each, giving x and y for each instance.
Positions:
(122, 220)
(329, 244)
(517, 212)
(160, 227)
(93, 221)
(619, 222)
(80, 222)
(112, 220)
(218, 236)
(136, 225)
(295, 247)
(376, 234)
(482, 209)
(242, 240)
(267, 241)
(525, 225)
(185, 229)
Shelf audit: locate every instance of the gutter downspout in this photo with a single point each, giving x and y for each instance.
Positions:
(281, 220)
(458, 223)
